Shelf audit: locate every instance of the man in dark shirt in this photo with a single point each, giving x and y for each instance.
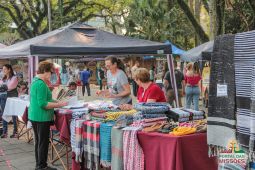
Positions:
(85, 75)
(179, 83)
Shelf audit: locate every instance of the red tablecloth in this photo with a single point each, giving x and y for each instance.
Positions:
(165, 152)
(62, 124)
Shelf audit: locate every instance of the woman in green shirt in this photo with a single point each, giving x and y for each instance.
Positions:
(41, 112)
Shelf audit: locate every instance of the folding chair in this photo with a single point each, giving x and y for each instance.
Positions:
(60, 148)
(25, 127)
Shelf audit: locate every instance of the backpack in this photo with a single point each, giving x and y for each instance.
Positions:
(101, 74)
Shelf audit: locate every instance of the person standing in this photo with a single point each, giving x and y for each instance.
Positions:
(10, 81)
(179, 77)
(134, 84)
(41, 113)
(152, 74)
(85, 75)
(100, 76)
(192, 91)
(117, 82)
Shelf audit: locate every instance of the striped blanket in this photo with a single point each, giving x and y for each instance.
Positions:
(221, 110)
(245, 90)
(152, 108)
(78, 147)
(91, 144)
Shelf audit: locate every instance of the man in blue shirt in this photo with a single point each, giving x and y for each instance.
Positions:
(85, 75)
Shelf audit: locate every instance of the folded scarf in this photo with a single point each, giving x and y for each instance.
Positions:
(152, 108)
(111, 116)
(180, 131)
(221, 110)
(117, 149)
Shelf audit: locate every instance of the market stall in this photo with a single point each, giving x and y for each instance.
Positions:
(92, 123)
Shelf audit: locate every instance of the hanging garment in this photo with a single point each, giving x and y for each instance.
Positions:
(221, 110)
(245, 90)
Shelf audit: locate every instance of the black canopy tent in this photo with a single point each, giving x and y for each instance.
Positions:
(79, 40)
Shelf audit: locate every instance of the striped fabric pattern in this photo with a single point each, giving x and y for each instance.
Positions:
(245, 90)
(91, 140)
(221, 123)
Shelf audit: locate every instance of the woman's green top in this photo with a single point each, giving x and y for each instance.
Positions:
(40, 95)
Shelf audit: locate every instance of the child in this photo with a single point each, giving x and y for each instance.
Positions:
(23, 89)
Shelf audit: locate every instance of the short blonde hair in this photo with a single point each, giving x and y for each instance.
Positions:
(142, 74)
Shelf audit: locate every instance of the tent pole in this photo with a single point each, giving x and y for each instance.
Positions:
(172, 77)
(32, 66)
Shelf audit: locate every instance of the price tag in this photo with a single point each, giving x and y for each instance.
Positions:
(222, 90)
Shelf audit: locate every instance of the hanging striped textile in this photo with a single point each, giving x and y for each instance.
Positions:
(245, 93)
(221, 110)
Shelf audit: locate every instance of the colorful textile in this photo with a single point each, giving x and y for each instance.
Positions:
(99, 114)
(78, 147)
(91, 136)
(221, 110)
(152, 108)
(133, 153)
(110, 116)
(105, 144)
(117, 149)
(180, 131)
(245, 90)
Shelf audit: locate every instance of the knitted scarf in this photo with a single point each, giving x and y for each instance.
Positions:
(133, 153)
(221, 110)
(117, 149)
(245, 90)
(105, 144)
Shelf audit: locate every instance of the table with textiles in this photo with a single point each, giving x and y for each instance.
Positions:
(162, 151)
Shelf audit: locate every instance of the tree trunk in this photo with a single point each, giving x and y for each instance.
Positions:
(212, 15)
(220, 17)
(197, 16)
(198, 29)
(252, 4)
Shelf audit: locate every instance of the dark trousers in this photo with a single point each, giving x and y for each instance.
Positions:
(41, 137)
(135, 88)
(100, 84)
(5, 125)
(87, 87)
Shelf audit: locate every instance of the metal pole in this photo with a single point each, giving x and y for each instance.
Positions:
(172, 77)
(49, 15)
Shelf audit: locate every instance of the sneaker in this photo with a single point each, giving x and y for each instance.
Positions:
(4, 135)
(15, 135)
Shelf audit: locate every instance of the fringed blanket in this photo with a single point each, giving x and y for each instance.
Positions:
(105, 144)
(78, 147)
(244, 66)
(221, 110)
(117, 149)
(133, 153)
(91, 144)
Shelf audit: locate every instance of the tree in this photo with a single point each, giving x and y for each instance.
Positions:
(31, 16)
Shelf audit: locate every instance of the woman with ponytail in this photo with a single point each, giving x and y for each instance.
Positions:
(117, 82)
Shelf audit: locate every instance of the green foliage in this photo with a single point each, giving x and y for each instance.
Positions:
(152, 19)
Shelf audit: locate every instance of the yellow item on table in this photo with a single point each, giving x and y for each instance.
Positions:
(180, 131)
(116, 115)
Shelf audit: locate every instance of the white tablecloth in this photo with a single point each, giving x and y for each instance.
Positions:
(14, 107)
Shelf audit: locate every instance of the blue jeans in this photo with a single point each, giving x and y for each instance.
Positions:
(192, 94)
(5, 125)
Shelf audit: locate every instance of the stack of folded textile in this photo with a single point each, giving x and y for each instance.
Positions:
(184, 115)
(152, 108)
(112, 116)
